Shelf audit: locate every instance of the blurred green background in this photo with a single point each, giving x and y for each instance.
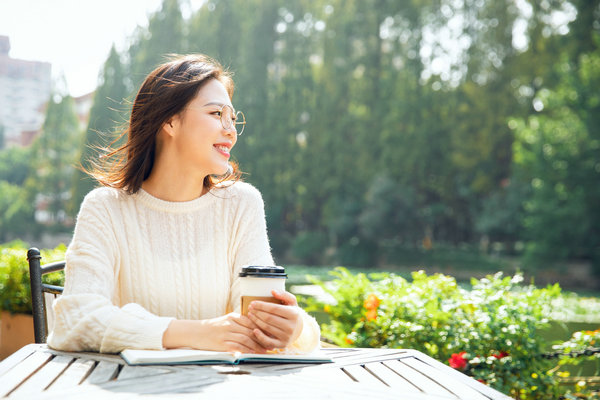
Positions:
(460, 136)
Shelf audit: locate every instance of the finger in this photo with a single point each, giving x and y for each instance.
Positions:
(244, 327)
(286, 312)
(249, 342)
(268, 342)
(235, 346)
(286, 297)
(245, 322)
(274, 326)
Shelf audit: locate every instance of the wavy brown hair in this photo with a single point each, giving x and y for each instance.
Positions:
(166, 91)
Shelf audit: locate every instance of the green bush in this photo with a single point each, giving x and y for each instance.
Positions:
(490, 332)
(15, 292)
(583, 346)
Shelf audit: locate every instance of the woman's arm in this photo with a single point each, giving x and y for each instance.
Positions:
(230, 332)
(290, 324)
(85, 317)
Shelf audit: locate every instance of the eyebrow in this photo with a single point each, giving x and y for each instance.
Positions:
(214, 103)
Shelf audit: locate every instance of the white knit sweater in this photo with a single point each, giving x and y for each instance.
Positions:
(136, 262)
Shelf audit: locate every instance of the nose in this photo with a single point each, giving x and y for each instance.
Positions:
(231, 133)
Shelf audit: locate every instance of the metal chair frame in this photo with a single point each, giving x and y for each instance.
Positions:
(38, 288)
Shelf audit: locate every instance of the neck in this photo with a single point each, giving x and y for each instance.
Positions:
(169, 182)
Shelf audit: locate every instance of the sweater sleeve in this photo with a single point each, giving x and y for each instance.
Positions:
(250, 246)
(85, 317)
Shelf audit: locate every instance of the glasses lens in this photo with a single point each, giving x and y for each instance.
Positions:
(240, 122)
(227, 118)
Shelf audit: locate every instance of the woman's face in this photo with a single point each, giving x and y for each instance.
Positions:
(201, 143)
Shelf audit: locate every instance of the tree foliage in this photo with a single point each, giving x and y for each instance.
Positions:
(376, 124)
(53, 154)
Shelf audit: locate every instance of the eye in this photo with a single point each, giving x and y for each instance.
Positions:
(218, 113)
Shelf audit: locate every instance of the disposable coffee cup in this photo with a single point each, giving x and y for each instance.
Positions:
(257, 282)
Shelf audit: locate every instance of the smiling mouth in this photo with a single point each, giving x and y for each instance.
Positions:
(222, 149)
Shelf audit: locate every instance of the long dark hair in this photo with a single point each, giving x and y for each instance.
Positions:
(166, 91)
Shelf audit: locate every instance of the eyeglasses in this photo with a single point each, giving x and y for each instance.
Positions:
(231, 121)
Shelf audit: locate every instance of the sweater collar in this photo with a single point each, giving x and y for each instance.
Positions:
(175, 206)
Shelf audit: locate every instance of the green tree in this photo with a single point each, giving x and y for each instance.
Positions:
(164, 35)
(107, 118)
(16, 212)
(54, 153)
(15, 164)
(557, 151)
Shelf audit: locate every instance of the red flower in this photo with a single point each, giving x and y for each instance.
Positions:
(458, 361)
(372, 314)
(500, 355)
(372, 302)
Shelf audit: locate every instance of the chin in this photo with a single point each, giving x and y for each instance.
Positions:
(224, 170)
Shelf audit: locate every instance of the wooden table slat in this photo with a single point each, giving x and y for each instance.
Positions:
(360, 374)
(165, 383)
(73, 375)
(366, 357)
(44, 377)
(421, 381)
(306, 387)
(21, 372)
(104, 371)
(17, 357)
(391, 378)
(458, 388)
(129, 372)
(326, 375)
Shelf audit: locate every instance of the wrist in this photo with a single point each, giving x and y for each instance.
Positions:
(185, 333)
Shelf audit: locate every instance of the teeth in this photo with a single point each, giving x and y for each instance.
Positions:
(223, 148)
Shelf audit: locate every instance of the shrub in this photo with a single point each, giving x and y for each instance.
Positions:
(15, 292)
(583, 346)
(490, 332)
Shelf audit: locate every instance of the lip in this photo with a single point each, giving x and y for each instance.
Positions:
(228, 146)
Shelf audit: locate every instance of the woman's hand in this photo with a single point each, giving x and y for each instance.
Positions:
(232, 332)
(235, 332)
(278, 325)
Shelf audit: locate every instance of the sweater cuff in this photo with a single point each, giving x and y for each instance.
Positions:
(308, 341)
(134, 328)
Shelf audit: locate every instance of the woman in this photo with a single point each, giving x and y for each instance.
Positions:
(156, 252)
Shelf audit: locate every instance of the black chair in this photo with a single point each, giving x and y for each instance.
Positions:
(38, 300)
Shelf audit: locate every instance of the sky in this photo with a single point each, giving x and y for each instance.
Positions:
(75, 36)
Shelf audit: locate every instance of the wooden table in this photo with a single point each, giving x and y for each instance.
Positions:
(37, 372)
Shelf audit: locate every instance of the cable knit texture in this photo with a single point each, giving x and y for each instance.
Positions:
(136, 262)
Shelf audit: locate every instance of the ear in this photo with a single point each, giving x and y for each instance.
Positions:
(170, 126)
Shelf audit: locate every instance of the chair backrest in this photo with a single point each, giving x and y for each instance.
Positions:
(41, 313)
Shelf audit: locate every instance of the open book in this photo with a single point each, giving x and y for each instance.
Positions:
(189, 356)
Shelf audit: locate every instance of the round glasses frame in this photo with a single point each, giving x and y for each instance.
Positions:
(229, 122)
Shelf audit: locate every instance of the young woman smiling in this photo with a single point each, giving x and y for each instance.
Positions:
(156, 251)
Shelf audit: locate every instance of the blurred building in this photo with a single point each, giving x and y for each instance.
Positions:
(24, 90)
(83, 105)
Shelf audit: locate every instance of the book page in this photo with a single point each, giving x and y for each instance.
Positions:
(180, 356)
